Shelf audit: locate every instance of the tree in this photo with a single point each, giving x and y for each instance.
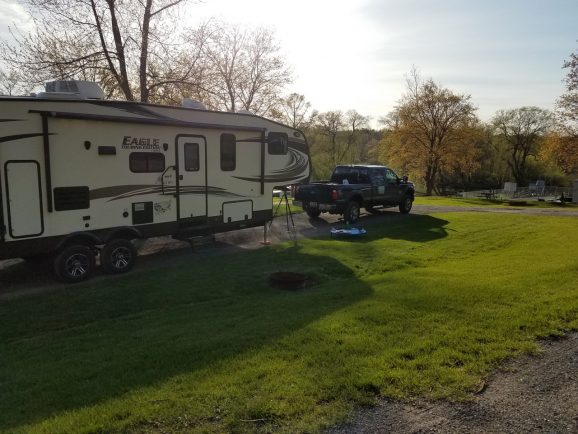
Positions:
(568, 102)
(293, 110)
(431, 129)
(245, 70)
(561, 149)
(329, 125)
(522, 131)
(356, 146)
(11, 83)
(127, 46)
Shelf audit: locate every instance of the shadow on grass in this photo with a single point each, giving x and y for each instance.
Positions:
(85, 345)
(396, 226)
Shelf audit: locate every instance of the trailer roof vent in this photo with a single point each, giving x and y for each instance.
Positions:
(193, 104)
(73, 89)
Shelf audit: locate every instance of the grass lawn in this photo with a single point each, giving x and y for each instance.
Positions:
(455, 201)
(424, 306)
(281, 209)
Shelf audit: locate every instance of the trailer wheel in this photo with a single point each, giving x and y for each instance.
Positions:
(74, 263)
(351, 214)
(118, 256)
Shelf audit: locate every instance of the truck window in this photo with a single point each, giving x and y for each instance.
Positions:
(342, 173)
(390, 176)
(378, 178)
(228, 152)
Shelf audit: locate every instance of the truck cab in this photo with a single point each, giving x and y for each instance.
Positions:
(352, 187)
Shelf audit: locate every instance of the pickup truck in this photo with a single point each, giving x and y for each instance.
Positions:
(352, 187)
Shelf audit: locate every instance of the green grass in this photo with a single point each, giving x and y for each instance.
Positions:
(454, 201)
(280, 209)
(424, 306)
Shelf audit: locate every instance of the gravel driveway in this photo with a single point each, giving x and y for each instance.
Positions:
(530, 394)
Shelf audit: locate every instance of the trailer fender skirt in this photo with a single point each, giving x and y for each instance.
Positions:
(127, 232)
(84, 238)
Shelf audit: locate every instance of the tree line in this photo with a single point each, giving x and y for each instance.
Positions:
(435, 136)
(138, 51)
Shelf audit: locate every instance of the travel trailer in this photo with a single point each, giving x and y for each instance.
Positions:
(81, 176)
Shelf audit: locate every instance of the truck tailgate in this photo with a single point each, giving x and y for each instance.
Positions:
(315, 192)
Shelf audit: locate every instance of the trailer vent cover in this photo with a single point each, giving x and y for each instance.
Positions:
(193, 104)
(69, 198)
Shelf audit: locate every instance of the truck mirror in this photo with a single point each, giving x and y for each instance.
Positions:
(404, 179)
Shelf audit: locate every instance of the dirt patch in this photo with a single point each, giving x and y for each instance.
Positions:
(529, 394)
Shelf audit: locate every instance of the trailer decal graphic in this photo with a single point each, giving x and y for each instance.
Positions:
(297, 165)
(118, 192)
(20, 136)
(140, 143)
(162, 207)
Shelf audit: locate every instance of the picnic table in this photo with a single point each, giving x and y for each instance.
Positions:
(491, 194)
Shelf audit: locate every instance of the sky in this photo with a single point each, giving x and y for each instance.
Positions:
(349, 54)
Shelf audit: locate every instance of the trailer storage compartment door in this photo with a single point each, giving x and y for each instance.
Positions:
(24, 200)
(237, 211)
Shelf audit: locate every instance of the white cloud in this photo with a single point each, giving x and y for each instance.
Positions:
(13, 15)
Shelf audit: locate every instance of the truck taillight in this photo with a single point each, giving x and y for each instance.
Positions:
(334, 195)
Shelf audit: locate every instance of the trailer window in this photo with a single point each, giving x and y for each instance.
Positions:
(144, 162)
(277, 143)
(191, 157)
(228, 152)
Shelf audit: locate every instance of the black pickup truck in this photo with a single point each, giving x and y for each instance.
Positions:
(352, 187)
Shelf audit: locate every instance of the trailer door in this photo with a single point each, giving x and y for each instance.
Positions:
(23, 198)
(191, 179)
(2, 221)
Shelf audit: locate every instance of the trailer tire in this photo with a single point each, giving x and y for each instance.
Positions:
(74, 263)
(118, 256)
(352, 210)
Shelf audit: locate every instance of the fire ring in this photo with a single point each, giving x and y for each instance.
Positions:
(289, 280)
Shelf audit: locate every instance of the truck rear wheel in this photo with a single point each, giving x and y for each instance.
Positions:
(352, 211)
(118, 256)
(406, 204)
(74, 263)
(313, 212)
